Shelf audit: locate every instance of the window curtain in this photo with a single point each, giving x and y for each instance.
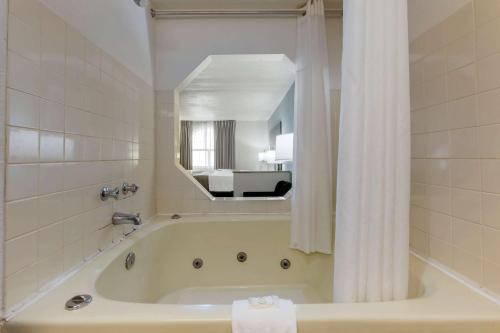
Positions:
(224, 144)
(203, 145)
(186, 145)
(373, 191)
(311, 206)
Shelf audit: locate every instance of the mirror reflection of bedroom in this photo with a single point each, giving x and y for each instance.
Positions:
(236, 125)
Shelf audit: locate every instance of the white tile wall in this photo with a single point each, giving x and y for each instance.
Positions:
(77, 120)
(455, 90)
(3, 103)
(423, 14)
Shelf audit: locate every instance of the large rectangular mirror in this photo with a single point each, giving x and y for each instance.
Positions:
(236, 120)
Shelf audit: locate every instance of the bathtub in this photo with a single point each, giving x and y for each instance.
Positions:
(164, 292)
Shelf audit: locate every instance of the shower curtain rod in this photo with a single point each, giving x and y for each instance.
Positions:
(165, 14)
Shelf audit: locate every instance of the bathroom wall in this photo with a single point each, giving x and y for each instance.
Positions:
(250, 139)
(102, 21)
(455, 98)
(284, 113)
(181, 45)
(3, 81)
(424, 14)
(77, 120)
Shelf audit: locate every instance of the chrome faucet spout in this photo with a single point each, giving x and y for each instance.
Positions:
(126, 218)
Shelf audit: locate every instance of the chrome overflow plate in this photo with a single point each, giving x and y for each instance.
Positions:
(241, 256)
(285, 263)
(78, 302)
(198, 263)
(130, 261)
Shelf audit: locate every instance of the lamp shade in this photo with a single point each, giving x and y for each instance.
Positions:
(271, 156)
(284, 147)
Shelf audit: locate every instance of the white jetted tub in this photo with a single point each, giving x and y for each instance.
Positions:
(164, 292)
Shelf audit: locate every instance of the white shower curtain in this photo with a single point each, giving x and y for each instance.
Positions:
(311, 223)
(371, 241)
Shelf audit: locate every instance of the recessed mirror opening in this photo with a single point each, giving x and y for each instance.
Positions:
(234, 126)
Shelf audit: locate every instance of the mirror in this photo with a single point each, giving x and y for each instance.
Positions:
(236, 115)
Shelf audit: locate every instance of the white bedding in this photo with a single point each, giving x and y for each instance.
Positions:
(220, 181)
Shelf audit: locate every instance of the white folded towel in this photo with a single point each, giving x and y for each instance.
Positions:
(263, 302)
(268, 314)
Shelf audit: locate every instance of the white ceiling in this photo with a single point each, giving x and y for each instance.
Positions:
(237, 4)
(236, 87)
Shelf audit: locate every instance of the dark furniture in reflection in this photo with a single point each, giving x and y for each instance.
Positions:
(222, 194)
(252, 184)
(282, 187)
(258, 181)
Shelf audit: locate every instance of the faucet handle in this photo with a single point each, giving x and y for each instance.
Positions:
(108, 192)
(126, 187)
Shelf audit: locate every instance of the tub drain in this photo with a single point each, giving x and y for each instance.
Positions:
(285, 263)
(130, 261)
(197, 263)
(78, 302)
(241, 257)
